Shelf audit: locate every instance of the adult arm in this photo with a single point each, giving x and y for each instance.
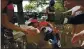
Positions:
(5, 22)
(67, 11)
(77, 36)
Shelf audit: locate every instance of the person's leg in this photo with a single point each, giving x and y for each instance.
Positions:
(57, 36)
(54, 46)
(58, 39)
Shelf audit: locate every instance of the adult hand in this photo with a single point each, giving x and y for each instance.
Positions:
(75, 38)
(29, 32)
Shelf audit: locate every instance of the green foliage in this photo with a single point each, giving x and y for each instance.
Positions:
(58, 6)
(30, 6)
(33, 0)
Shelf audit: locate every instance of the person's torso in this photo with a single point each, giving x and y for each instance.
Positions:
(51, 9)
(49, 29)
(7, 32)
(43, 24)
